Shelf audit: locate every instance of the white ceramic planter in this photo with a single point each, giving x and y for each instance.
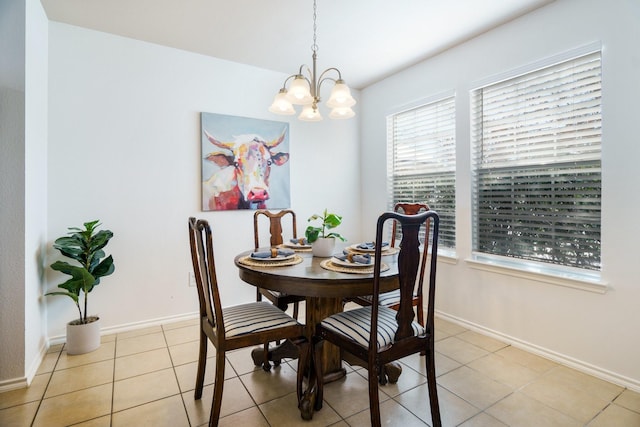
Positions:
(323, 247)
(83, 338)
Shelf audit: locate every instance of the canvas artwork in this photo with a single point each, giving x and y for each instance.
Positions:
(245, 163)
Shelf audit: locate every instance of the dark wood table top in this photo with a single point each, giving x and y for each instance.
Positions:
(309, 279)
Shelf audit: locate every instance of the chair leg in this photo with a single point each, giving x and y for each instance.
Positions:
(374, 399)
(295, 310)
(217, 389)
(306, 398)
(303, 363)
(420, 310)
(317, 364)
(265, 360)
(433, 389)
(202, 364)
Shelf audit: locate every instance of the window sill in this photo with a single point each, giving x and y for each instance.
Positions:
(448, 256)
(585, 281)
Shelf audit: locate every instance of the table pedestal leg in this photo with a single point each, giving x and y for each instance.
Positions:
(286, 349)
(390, 371)
(316, 310)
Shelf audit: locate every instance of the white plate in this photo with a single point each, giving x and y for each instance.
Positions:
(297, 246)
(278, 258)
(356, 248)
(338, 261)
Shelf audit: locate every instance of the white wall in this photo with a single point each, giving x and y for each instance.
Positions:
(124, 147)
(11, 234)
(12, 255)
(23, 132)
(35, 174)
(597, 333)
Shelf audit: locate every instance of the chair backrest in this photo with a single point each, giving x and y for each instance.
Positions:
(407, 209)
(204, 270)
(414, 209)
(408, 264)
(275, 226)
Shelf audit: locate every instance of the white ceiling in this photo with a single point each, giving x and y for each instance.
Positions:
(366, 39)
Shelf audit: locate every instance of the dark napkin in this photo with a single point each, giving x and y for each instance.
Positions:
(370, 245)
(302, 241)
(272, 253)
(354, 258)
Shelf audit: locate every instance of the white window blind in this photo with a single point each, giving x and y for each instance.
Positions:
(537, 189)
(421, 161)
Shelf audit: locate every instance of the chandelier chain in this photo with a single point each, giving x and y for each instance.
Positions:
(314, 47)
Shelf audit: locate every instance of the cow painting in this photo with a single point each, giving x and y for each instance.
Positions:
(242, 182)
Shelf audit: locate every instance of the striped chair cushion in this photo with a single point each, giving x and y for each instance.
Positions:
(356, 325)
(387, 299)
(253, 317)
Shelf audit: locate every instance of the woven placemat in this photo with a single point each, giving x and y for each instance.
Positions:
(295, 248)
(296, 259)
(327, 264)
(386, 252)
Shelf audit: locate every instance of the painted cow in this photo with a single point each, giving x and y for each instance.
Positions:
(243, 179)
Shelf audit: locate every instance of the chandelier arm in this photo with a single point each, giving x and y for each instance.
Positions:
(284, 85)
(304, 67)
(322, 78)
(309, 76)
(328, 70)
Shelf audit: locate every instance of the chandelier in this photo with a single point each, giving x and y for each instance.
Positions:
(305, 90)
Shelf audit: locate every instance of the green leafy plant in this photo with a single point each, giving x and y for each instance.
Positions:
(86, 247)
(328, 222)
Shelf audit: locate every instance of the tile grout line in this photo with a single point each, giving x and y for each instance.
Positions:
(113, 381)
(175, 375)
(35, 415)
(248, 392)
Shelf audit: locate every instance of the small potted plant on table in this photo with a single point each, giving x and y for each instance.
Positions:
(85, 247)
(323, 242)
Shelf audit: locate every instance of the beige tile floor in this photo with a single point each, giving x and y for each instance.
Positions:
(146, 378)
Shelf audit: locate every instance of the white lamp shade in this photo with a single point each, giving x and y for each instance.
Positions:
(340, 96)
(342, 113)
(299, 92)
(309, 114)
(281, 104)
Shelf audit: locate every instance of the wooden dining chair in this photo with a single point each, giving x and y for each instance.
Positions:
(279, 299)
(392, 299)
(376, 335)
(236, 326)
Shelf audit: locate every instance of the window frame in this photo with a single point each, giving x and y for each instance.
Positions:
(573, 277)
(449, 99)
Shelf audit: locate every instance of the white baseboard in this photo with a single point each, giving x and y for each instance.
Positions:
(37, 361)
(13, 384)
(59, 339)
(23, 382)
(562, 359)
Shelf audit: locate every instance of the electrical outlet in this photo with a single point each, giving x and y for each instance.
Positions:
(192, 280)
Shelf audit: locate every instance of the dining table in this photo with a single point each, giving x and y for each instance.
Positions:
(326, 283)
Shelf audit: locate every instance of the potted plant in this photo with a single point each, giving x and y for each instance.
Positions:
(322, 242)
(86, 247)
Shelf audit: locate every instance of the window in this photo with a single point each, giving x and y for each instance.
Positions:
(537, 184)
(421, 161)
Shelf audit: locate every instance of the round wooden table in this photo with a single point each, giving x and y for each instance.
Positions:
(325, 291)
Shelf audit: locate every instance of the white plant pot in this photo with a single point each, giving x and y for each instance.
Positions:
(323, 247)
(83, 338)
